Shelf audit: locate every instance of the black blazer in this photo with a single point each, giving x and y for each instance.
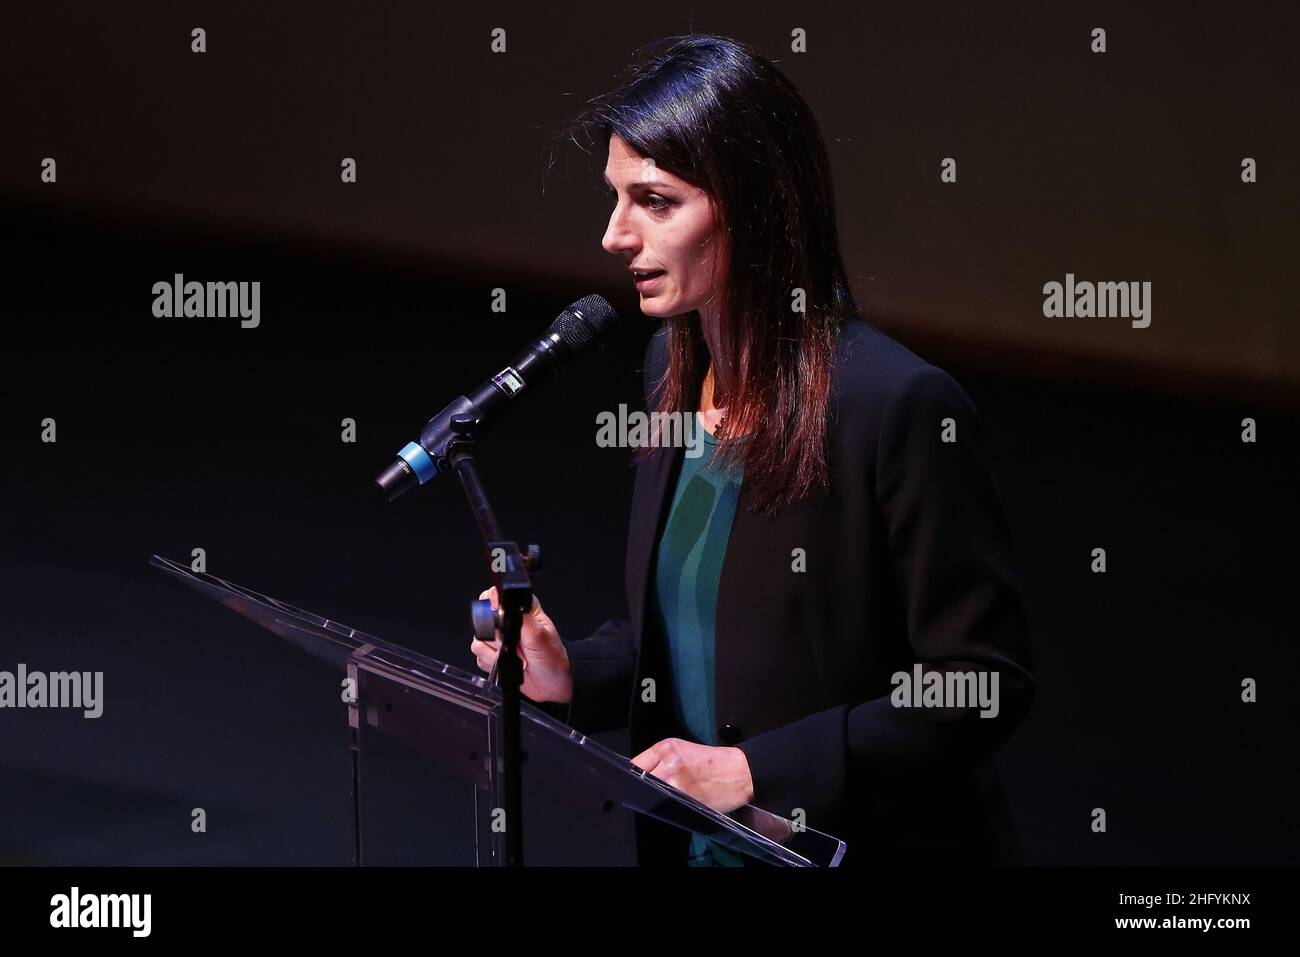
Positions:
(908, 559)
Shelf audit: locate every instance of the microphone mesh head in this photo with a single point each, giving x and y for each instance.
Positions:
(586, 320)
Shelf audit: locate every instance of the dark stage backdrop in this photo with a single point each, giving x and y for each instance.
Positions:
(175, 434)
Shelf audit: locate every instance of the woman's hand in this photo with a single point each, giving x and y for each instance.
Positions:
(546, 661)
(716, 777)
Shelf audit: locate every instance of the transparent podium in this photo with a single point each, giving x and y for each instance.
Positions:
(451, 718)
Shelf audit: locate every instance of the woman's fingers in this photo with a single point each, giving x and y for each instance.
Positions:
(485, 654)
(489, 648)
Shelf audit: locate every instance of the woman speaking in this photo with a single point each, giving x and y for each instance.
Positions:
(824, 617)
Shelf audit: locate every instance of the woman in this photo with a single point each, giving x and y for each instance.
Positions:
(844, 537)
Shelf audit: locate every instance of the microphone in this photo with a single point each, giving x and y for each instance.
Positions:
(573, 330)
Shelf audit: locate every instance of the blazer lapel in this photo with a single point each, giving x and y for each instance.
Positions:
(649, 498)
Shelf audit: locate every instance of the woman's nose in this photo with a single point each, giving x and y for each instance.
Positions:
(618, 237)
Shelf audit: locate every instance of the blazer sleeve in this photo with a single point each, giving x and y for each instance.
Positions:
(950, 550)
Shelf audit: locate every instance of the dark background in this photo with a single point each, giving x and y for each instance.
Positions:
(176, 434)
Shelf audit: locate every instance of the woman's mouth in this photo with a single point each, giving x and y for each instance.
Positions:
(646, 280)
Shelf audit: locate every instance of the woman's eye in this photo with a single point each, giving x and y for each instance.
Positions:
(655, 202)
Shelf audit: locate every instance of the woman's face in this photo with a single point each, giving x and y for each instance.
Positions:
(664, 226)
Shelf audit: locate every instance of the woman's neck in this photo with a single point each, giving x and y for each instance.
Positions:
(711, 388)
(710, 414)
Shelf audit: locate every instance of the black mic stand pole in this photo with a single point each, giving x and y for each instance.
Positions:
(509, 570)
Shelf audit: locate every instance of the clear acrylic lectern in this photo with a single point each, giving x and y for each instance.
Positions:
(451, 717)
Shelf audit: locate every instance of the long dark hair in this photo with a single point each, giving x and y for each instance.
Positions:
(713, 112)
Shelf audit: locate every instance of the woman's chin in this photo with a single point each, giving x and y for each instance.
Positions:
(652, 310)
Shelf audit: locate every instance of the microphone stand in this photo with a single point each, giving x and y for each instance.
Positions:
(509, 570)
